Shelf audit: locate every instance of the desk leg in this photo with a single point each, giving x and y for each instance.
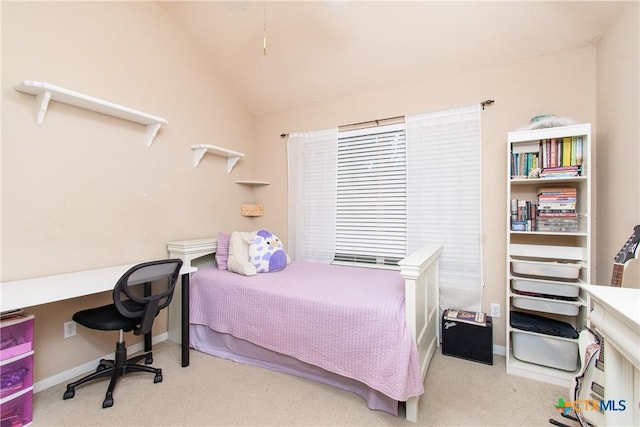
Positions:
(185, 320)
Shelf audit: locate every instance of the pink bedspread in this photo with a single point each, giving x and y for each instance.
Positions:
(347, 320)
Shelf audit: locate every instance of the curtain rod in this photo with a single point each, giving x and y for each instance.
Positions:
(485, 103)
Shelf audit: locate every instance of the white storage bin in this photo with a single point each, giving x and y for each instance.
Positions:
(562, 289)
(569, 270)
(546, 350)
(567, 308)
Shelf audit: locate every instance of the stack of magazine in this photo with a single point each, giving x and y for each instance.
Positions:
(471, 317)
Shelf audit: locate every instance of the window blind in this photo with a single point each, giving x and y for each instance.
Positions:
(371, 206)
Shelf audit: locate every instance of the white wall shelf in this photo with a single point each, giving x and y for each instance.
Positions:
(201, 149)
(253, 183)
(45, 92)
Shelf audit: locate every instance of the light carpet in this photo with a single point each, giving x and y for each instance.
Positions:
(218, 392)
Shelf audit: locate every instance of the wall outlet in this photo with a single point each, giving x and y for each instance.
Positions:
(69, 328)
(495, 310)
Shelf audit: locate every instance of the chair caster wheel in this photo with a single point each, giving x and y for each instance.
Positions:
(69, 394)
(101, 367)
(157, 378)
(148, 360)
(108, 402)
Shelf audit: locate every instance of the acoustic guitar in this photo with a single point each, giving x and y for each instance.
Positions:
(589, 384)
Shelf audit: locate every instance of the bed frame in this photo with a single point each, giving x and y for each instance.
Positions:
(420, 271)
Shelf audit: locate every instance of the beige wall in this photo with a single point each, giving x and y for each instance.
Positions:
(562, 84)
(618, 142)
(83, 191)
(599, 88)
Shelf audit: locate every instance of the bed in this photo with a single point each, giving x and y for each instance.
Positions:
(293, 321)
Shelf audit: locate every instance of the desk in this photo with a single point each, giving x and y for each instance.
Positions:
(43, 290)
(614, 314)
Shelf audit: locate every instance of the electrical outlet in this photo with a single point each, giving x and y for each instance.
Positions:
(69, 328)
(495, 310)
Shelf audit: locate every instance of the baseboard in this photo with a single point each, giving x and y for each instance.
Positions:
(500, 350)
(89, 366)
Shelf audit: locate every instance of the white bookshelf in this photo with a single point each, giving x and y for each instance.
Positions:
(549, 246)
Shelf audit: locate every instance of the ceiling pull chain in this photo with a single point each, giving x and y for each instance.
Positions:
(264, 29)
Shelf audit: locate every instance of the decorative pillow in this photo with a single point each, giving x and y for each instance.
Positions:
(266, 252)
(222, 253)
(238, 260)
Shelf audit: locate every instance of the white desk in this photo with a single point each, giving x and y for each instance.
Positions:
(43, 290)
(615, 315)
(191, 252)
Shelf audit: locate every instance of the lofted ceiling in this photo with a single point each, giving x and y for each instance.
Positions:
(321, 49)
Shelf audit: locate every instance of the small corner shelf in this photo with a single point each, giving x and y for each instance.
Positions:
(45, 92)
(200, 150)
(253, 183)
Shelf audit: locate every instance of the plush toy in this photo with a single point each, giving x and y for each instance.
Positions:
(266, 253)
(238, 260)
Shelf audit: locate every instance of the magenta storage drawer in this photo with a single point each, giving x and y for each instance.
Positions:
(16, 336)
(18, 411)
(16, 375)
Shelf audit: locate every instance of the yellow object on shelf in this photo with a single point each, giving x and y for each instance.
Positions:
(252, 210)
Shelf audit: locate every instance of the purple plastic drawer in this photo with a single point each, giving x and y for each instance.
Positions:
(16, 336)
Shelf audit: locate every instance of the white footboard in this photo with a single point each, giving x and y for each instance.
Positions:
(422, 290)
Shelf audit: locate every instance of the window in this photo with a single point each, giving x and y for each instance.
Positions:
(373, 195)
(371, 205)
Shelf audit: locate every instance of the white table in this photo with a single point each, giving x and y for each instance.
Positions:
(615, 315)
(25, 293)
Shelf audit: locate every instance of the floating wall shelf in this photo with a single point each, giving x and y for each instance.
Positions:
(200, 150)
(46, 92)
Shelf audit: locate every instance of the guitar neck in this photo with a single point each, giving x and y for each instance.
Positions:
(616, 277)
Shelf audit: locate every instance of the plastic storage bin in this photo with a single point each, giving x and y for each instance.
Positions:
(567, 270)
(16, 375)
(546, 350)
(543, 325)
(546, 305)
(17, 410)
(561, 289)
(16, 336)
(543, 341)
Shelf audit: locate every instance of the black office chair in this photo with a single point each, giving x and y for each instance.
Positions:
(138, 297)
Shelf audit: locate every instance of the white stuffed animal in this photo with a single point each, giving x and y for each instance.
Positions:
(238, 261)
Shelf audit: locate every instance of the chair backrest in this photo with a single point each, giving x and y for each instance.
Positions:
(145, 289)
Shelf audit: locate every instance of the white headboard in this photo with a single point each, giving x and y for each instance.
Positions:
(190, 250)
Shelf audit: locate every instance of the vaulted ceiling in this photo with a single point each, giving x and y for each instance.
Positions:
(317, 50)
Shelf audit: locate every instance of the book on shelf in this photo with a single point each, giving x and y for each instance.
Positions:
(471, 317)
(555, 158)
(558, 224)
(523, 215)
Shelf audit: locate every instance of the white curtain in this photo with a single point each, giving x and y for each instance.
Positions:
(444, 203)
(313, 165)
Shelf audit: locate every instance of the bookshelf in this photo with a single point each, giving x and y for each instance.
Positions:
(549, 239)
